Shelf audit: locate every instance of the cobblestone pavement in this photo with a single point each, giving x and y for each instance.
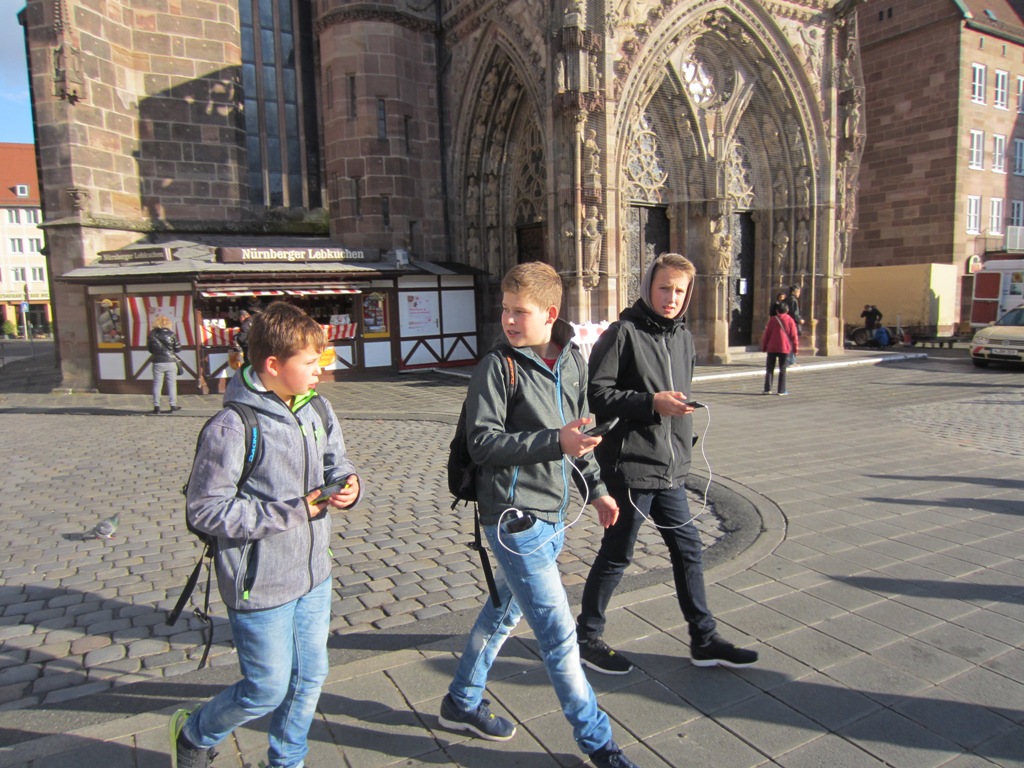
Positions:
(885, 593)
(79, 615)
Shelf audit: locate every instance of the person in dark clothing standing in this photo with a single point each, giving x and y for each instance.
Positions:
(242, 337)
(872, 316)
(164, 346)
(641, 372)
(793, 305)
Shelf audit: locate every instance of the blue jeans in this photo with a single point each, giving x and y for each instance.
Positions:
(165, 372)
(669, 508)
(282, 653)
(529, 585)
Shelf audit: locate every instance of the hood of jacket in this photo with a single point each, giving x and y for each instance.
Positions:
(645, 294)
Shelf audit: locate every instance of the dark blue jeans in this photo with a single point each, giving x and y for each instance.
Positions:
(668, 508)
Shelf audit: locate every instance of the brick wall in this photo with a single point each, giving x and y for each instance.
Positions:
(908, 171)
(392, 63)
(156, 132)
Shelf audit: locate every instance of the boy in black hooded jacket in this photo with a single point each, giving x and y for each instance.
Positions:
(640, 371)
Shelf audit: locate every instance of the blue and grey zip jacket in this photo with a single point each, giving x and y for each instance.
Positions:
(269, 552)
(516, 447)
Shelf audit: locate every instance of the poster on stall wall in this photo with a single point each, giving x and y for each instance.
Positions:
(419, 314)
(375, 316)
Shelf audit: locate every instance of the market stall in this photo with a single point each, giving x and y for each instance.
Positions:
(377, 312)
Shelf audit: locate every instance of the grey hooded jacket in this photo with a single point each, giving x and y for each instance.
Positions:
(269, 552)
(640, 354)
(520, 461)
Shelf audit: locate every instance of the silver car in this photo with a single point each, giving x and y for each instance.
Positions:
(1003, 341)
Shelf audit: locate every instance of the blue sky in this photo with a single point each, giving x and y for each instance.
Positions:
(16, 125)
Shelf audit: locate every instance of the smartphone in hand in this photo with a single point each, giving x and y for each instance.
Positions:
(329, 490)
(602, 429)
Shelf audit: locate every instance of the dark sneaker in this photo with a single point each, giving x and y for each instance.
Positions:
(718, 651)
(482, 722)
(183, 754)
(596, 655)
(610, 756)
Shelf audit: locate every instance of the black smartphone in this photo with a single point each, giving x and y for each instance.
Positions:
(603, 428)
(522, 522)
(329, 490)
(694, 404)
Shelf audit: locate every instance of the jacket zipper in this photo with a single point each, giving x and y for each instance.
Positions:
(672, 387)
(305, 473)
(561, 415)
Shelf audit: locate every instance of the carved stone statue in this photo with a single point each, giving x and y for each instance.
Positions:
(592, 241)
(721, 247)
(781, 188)
(592, 154)
(803, 188)
(491, 202)
(472, 200)
(490, 86)
(560, 74)
(781, 243)
(852, 119)
(803, 244)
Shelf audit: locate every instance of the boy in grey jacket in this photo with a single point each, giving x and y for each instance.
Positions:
(526, 452)
(271, 555)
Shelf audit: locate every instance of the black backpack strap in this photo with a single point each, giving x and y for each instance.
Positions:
(253, 439)
(320, 406)
(253, 453)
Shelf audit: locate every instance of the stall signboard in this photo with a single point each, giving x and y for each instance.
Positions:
(290, 255)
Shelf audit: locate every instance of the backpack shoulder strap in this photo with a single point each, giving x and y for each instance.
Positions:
(513, 381)
(320, 406)
(253, 439)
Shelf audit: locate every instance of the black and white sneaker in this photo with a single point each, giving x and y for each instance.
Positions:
(718, 651)
(482, 721)
(596, 655)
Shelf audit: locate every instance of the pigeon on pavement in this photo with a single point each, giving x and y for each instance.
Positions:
(105, 528)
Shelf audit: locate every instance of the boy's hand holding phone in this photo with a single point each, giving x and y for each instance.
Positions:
(673, 404)
(574, 442)
(338, 495)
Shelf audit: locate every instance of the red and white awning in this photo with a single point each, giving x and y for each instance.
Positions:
(234, 294)
(320, 291)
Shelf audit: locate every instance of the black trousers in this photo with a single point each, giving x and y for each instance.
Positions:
(769, 370)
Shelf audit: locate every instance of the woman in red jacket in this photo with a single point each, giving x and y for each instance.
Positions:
(780, 340)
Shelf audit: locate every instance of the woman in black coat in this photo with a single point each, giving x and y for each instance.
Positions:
(164, 346)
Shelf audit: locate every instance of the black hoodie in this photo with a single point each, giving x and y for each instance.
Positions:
(641, 354)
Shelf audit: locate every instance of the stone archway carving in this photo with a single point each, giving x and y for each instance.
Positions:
(501, 174)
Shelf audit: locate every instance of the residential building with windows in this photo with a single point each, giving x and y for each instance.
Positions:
(24, 280)
(942, 177)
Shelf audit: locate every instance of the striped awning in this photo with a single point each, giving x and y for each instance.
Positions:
(320, 291)
(234, 294)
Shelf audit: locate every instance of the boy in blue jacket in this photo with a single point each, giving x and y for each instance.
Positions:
(526, 453)
(271, 556)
